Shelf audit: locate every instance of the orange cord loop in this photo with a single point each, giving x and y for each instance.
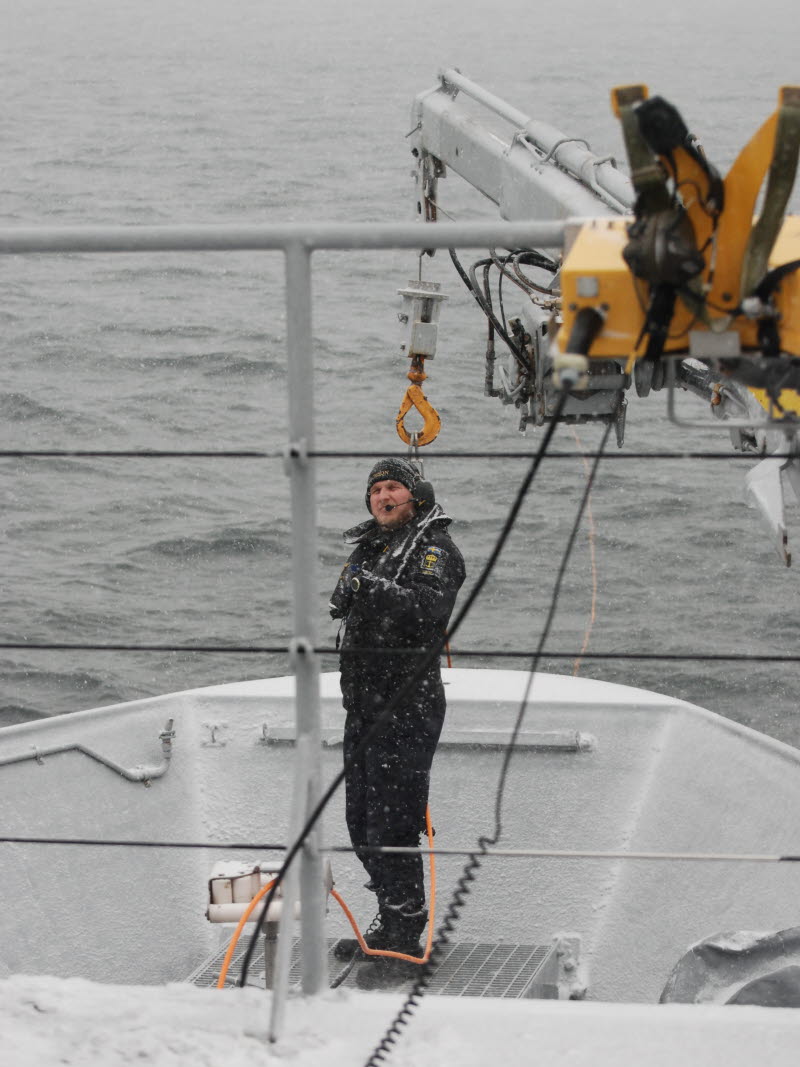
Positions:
(431, 918)
(361, 942)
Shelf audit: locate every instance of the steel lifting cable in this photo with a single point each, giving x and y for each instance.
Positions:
(401, 693)
(468, 875)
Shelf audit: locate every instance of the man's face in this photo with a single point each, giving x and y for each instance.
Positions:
(390, 492)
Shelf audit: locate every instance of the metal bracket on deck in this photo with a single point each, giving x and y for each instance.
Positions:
(527, 740)
(571, 985)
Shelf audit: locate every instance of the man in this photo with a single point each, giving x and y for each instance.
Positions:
(396, 592)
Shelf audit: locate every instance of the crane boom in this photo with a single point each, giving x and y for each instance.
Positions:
(666, 278)
(529, 170)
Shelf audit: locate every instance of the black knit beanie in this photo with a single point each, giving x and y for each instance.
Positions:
(398, 470)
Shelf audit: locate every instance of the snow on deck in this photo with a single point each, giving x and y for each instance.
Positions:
(51, 1021)
(470, 684)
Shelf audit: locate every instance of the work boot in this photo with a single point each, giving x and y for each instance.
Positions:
(402, 926)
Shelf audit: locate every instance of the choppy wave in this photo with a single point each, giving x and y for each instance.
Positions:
(41, 690)
(184, 330)
(16, 713)
(147, 272)
(17, 407)
(231, 541)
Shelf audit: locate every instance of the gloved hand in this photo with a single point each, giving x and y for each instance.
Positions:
(343, 593)
(361, 580)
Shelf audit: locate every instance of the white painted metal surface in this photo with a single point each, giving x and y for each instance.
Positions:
(274, 237)
(532, 170)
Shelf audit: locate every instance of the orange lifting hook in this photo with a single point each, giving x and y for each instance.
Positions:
(415, 398)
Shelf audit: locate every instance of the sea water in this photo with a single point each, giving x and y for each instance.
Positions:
(258, 111)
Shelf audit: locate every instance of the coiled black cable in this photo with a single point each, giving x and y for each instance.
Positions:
(468, 874)
(404, 690)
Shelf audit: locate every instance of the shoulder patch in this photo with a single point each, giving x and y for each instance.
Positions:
(433, 561)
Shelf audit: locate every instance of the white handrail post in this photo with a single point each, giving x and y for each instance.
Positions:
(308, 770)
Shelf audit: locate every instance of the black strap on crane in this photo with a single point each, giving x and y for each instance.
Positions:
(661, 249)
(780, 182)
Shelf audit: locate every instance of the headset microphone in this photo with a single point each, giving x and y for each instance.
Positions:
(423, 496)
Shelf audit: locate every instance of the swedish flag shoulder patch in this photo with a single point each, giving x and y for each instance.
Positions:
(433, 561)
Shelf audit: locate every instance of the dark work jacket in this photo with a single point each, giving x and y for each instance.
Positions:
(409, 581)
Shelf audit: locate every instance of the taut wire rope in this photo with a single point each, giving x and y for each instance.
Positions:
(504, 853)
(465, 653)
(254, 453)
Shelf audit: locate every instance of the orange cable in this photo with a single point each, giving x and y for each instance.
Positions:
(592, 554)
(431, 920)
(236, 933)
(362, 943)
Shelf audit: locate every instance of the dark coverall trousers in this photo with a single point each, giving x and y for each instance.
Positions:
(386, 789)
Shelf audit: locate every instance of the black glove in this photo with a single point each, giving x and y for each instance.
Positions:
(361, 581)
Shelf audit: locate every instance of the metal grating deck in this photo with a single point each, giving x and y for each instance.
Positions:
(467, 969)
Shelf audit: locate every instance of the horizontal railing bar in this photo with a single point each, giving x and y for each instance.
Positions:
(274, 237)
(140, 453)
(499, 853)
(463, 653)
(257, 453)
